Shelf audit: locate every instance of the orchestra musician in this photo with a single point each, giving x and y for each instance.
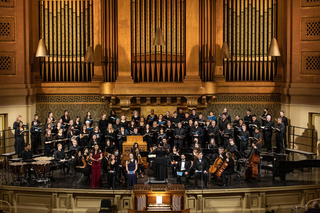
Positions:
(139, 159)
(201, 167)
(172, 162)
(82, 166)
(229, 169)
(59, 156)
(280, 131)
(183, 168)
(179, 135)
(232, 147)
(253, 161)
(27, 154)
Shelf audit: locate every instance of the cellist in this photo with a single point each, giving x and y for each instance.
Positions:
(252, 169)
(229, 169)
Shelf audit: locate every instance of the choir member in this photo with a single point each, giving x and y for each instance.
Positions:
(98, 133)
(93, 141)
(103, 123)
(248, 119)
(78, 124)
(131, 168)
(186, 119)
(122, 137)
(16, 124)
(60, 137)
(212, 144)
(132, 126)
(50, 115)
(213, 131)
(257, 137)
(84, 137)
(211, 116)
(27, 154)
(280, 131)
(161, 122)
(112, 171)
(59, 157)
(74, 146)
(227, 134)
(179, 135)
(181, 115)
(183, 168)
(117, 126)
(112, 117)
(96, 157)
(135, 117)
(196, 132)
(285, 122)
(222, 126)
(148, 136)
(254, 125)
(175, 119)
(268, 133)
(201, 167)
(229, 170)
(110, 134)
(142, 126)
(88, 118)
(167, 117)
(155, 131)
(236, 131)
(151, 117)
(48, 144)
(228, 117)
(194, 115)
(169, 131)
(123, 122)
(35, 136)
(162, 135)
(35, 118)
(65, 118)
(243, 138)
(135, 131)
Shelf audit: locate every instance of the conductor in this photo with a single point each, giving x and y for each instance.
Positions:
(160, 162)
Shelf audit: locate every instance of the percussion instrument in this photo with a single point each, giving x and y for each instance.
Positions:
(42, 167)
(18, 168)
(44, 159)
(2, 164)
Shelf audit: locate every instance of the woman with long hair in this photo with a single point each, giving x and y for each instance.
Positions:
(96, 157)
(131, 168)
(112, 170)
(19, 143)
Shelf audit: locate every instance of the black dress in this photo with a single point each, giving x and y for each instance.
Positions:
(19, 143)
(160, 164)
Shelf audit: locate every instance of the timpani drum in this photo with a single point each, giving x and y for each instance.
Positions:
(44, 159)
(18, 168)
(41, 167)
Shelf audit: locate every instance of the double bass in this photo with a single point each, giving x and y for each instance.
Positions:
(252, 167)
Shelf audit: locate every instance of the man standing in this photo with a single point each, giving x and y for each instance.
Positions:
(179, 135)
(285, 122)
(268, 133)
(201, 167)
(280, 130)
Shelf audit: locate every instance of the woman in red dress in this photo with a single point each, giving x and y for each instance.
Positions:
(96, 157)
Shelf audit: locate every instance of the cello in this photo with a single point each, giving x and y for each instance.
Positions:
(217, 164)
(252, 167)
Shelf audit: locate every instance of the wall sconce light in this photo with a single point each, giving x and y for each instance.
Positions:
(42, 49)
(88, 58)
(274, 48)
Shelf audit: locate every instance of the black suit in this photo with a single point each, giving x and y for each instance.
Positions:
(178, 141)
(279, 136)
(199, 132)
(186, 168)
(201, 166)
(268, 135)
(285, 122)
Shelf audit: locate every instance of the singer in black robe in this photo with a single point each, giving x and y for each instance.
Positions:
(19, 143)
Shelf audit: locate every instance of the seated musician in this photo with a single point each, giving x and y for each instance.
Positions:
(27, 154)
(232, 147)
(314, 208)
(81, 166)
(138, 157)
(229, 170)
(243, 138)
(220, 155)
(183, 168)
(112, 171)
(201, 167)
(59, 156)
(166, 145)
(172, 162)
(255, 152)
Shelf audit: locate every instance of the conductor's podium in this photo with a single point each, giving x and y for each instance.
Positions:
(127, 147)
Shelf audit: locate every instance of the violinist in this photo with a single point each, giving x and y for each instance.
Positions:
(253, 161)
(229, 169)
(81, 166)
(139, 159)
(201, 167)
(183, 168)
